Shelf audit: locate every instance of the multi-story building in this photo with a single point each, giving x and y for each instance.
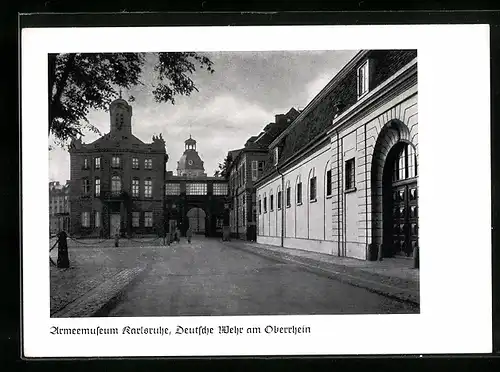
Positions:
(342, 178)
(246, 166)
(59, 207)
(117, 181)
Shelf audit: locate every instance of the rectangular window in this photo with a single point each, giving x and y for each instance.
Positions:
(261, 168)
(97, 221)
(148, 219)
(116, 185)
(148, 188)
(135, 188)
(135, 163)
(265, 204)
(349, 174)
(279, 199)
(260, 207)
(363, 79)
(85, 219)
(85, 186)
(85, 163)
(244, 173)
(329, 183)
(148, 164)
(312, 189)
(97, 163)
(172, 189)
(254, 170)
(271, 202)
(220, 188)
(299, 193)
(135, 219)
(196, 189)
(97, 187)
(288, 197)
(115, 162)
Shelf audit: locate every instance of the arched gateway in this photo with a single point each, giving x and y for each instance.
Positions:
(394, 191)
(192, 199)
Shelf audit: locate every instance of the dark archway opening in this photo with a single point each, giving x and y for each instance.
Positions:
(197, 220)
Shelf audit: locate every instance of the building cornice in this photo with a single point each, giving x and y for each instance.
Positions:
(322, 94)
(371, 101)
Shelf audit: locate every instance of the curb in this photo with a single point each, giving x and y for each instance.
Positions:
(386, 290)
(96, 300)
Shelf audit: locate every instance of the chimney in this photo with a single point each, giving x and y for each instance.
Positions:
(278, 118)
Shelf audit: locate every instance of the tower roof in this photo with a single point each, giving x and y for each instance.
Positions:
(190, 141)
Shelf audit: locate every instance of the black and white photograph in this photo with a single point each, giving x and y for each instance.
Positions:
(229, 200)
(223, 190)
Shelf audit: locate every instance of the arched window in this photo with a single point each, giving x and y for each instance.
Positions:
(271, 200)
(405, 163)
(298, 190)
(116, 185)
(328, 179)
(265, 203)
(313, 185)
(288, 191)
(279, 197)
(260, 205)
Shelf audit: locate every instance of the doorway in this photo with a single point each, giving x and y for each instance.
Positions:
(400, 201)
(196, 218)
(115, 221)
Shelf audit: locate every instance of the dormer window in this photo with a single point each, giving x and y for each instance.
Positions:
(363, 78)
(276, 155)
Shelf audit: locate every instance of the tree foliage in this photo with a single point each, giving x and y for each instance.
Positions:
(223, 169)
(82, 82)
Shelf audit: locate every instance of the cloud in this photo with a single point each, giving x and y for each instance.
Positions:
(315, 86)
(231, 105)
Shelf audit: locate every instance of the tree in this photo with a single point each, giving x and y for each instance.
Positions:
(81, 82)
(223, 170)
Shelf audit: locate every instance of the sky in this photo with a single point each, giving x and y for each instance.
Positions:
(234, 103)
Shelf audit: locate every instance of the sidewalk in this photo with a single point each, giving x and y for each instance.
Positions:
(392, 277)
(94, 279)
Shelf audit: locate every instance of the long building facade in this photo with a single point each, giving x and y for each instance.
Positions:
(342, 178)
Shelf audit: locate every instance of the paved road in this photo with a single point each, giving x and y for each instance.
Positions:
(210, 278)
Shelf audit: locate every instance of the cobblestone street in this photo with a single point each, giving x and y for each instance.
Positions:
(210, 278)
(206, 277)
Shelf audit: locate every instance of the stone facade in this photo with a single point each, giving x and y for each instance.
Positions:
(117, 181)
(343, 150)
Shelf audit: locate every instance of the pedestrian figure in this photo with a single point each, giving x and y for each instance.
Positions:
(177, 235)
(62, 251)
(189, 234)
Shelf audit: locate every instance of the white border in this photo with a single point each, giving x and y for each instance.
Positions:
(454, 182)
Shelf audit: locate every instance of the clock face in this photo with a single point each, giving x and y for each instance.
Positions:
(190, 162)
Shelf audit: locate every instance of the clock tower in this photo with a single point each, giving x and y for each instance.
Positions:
(120, 113)
(190, 163)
